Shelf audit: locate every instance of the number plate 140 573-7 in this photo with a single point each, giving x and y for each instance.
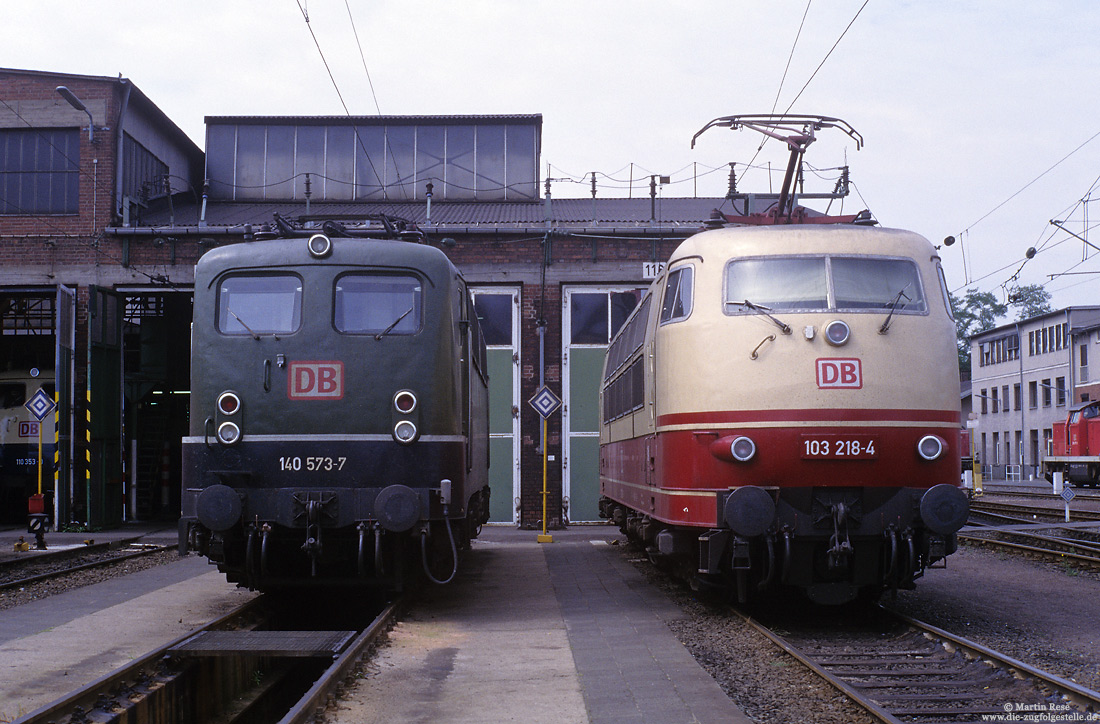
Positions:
(838, 447)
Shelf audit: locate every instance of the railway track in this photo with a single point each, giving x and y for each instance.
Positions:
(1057, 543)
(21, 573)
(902, 670)
(245, 667)
(1015, 510)
(1081, 495)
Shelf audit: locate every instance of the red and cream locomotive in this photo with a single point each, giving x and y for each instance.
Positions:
(781, 411)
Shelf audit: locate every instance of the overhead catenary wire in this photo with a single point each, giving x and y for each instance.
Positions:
(812, 75)
(363, 57)
(996, 208)
(335, 85)
(790, 57)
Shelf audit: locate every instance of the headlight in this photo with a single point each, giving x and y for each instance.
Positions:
(319, 246)
(930, 447)
(229, 403)
(404, 401)
(229, 433)
(837, 333)
(404, 432)
(743, 449)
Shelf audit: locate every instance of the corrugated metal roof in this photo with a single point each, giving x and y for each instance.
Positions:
(484, 119)
(448, 214)
(615, 215)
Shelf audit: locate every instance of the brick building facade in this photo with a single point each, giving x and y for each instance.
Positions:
(110, 269)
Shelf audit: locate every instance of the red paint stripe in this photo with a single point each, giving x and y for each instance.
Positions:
(743, 417)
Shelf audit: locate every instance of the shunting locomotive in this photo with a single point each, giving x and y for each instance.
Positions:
(338, 416)
(781, 411)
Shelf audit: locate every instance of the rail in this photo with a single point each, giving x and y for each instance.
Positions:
(923, 673)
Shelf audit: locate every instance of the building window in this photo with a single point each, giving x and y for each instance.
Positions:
(1046, 392)
(1016, 394)
(595, 317)
(144, 175)
(1004, 398)
(996, 449)
(1083, 376)
(1033, 394)
(39, 171)
(1060, 384)
(996, 406)
(985, 398)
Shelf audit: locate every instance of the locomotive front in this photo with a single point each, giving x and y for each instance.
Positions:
(805, 412)
(335, 407)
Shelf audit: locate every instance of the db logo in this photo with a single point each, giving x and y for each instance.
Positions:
(28, 429)
(316, 381)
(839, 373)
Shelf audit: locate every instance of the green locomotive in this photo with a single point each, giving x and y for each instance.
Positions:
(338, 417)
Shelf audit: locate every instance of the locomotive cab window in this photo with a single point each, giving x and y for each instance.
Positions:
(259, 304)
(678, 294)
(777, 283)
(378, 303)
(842, 283)
(871, 283)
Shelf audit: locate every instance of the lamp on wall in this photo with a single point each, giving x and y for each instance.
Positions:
(77, 104)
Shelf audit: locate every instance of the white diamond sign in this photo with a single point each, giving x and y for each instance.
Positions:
(545, 402)
(40, 404)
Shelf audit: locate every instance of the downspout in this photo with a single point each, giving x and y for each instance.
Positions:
(1024, 441)
(119, 156)
(1071, 383)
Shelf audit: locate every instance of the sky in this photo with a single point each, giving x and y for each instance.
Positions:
(980, 118)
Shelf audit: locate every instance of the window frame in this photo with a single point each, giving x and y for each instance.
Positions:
(297, 314)
(47, 175)
(679, 271)
(736, 307)
(418, 306)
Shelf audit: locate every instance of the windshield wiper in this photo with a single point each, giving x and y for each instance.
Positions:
(893, 307)
(784, 327)
(241, 321)
(397, 321)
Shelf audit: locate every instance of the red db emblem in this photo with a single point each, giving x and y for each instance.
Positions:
(316, 381)
(839, 374)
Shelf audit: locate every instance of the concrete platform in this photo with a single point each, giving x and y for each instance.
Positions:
(556, 632)
(152, 532)
(57, 644)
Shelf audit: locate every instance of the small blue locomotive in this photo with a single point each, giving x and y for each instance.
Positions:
(338, 417)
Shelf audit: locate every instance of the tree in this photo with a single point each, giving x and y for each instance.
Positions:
(1030, 300)
(975, 312)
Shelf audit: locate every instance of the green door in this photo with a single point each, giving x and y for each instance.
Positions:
(498, 313)
(590, 317)
(103, 490)
(64, 354)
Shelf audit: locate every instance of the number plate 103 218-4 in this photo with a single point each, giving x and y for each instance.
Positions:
(838, 447)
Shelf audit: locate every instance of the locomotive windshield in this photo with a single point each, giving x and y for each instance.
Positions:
(378, 304)
(824, 282)
(260, 304)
